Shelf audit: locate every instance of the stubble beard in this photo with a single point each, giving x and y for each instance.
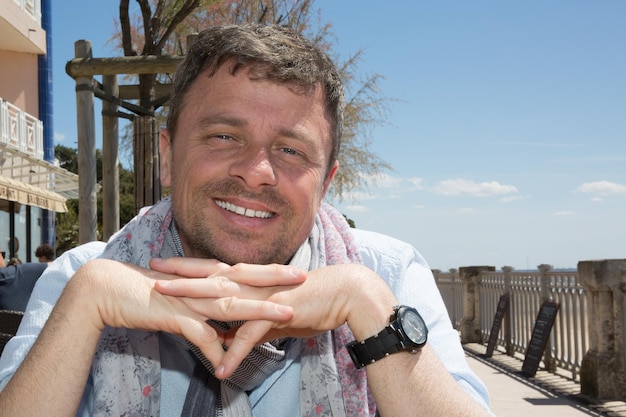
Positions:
(206, 241)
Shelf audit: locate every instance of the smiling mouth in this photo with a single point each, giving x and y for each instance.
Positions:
(244, 211)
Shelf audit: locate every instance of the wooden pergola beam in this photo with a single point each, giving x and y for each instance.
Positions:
(131, 91)
(145, 64)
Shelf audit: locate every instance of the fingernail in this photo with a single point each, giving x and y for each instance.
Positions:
(283, 309)
(296, 272)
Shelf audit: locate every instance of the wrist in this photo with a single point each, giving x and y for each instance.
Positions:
(83, 297)
(371, 308)
(406, 332)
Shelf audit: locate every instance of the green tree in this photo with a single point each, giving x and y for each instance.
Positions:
(67, 223)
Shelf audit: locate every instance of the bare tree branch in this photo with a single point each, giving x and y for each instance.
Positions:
(146, 15)
(127, 41)
(188, 7)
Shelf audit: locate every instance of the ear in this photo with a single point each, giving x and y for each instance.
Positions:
(329, 179)
(165, 160)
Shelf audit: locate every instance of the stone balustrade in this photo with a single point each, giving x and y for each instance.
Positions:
(589, 335)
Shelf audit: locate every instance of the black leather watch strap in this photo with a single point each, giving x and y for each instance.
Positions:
(373, 348)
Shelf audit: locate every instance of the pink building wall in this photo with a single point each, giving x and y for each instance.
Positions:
(18, 80)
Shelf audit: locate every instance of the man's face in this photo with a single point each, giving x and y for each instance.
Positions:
(246, 168)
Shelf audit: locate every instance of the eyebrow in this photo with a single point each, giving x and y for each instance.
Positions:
(221, 120)
(306, 139)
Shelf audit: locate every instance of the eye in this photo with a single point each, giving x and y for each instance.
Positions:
(221, 140)
(290, 151)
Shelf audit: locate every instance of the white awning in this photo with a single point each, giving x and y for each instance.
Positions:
(30, 195)
(32, 181)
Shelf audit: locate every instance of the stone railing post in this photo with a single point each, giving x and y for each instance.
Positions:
(457, 298)
(508, 317)
(603, 373)
(548, 360)
(470, 323)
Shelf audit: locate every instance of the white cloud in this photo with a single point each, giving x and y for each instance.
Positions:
(602, 188)
(465, 210)
(416, 183)
(387, 186)
(461, 186)
(512, 198)
(384, 186)
(542, 144)
(359, 196)
(563, 213)
(385, 180)
(59, 137)
(357, 209)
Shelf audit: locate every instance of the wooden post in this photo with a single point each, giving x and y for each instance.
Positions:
(139, 162)
(146, 156)
(156, 164)
(110, 161)
(87, 203)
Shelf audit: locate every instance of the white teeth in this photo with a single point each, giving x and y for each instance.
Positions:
(243, 211)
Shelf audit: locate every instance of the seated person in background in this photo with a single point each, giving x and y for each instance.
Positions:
(14, 261)
(16, 284)
(238, 295)
(45, 253)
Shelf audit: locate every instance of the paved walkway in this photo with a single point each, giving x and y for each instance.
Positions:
(545, 395)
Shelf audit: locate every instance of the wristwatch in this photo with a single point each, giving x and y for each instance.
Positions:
(406, 332)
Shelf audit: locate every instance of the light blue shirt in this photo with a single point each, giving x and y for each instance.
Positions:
(398, 263)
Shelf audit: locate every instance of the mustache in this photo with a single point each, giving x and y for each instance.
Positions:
(231, 188)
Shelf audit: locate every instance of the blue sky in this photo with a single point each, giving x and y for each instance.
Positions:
(507, 133)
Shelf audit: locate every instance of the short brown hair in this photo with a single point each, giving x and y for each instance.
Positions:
(273, 53)
(45, 250)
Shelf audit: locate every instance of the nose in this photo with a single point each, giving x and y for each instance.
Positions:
(254, 167)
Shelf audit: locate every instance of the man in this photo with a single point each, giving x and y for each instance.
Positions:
(45, 253)
(238, 295)
(14, 261)
(16, 284)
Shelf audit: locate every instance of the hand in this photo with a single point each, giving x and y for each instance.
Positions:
(123, 295)
(328, 298)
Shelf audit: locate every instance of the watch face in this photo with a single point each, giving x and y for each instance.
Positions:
(414, 326)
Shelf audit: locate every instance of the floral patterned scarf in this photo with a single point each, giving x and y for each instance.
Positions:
(126, 368)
